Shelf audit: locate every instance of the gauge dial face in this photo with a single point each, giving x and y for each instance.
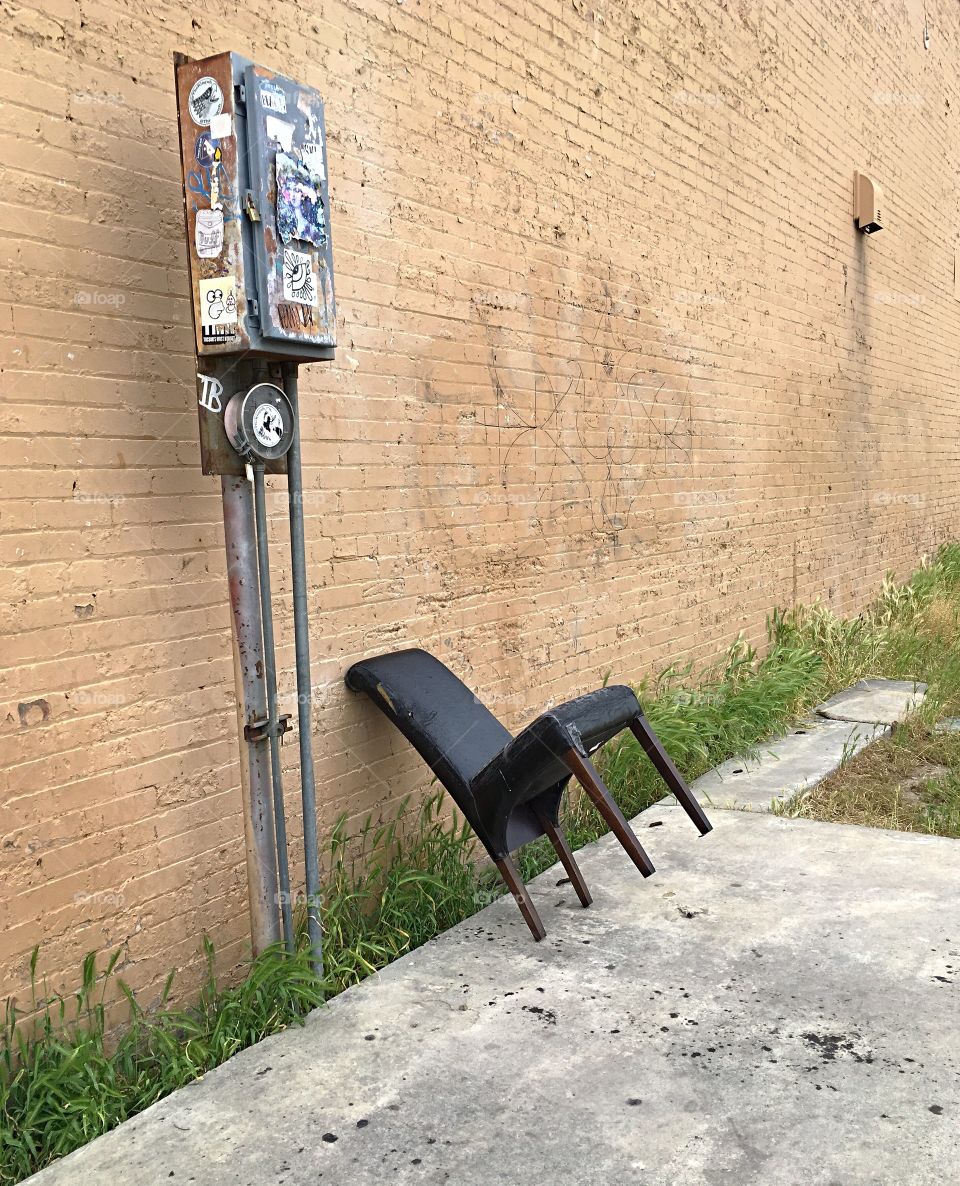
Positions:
(268, 425)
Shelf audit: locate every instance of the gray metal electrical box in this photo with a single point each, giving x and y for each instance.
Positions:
(254, 157)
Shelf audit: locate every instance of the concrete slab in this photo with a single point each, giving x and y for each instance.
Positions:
(780, 1004)
(881, 701)
(784, 767)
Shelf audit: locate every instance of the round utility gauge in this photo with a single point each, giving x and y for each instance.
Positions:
(259, 422)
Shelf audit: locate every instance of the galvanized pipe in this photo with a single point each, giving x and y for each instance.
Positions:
(270, 678)
(238, 528)
(301, 626)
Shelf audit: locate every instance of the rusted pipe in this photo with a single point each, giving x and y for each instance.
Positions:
(273, 720)
(240, 538)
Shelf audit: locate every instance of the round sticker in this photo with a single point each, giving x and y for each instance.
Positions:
(267, 425)
(205, 150)
(205, 101)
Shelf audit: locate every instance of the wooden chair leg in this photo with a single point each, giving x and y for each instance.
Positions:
(650, 743)
(511, 875)
(585, 773)
(562, 849)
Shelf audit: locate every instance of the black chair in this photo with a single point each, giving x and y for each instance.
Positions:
(509, 788)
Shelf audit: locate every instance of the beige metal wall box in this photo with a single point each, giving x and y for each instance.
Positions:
(867, 201)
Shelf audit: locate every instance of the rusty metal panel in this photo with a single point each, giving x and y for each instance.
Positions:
(217, 380)
(261, 274)
(210, 160)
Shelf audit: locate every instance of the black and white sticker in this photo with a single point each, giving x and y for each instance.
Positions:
(280, 131)
(272, 97)
(312, 153)
(218, 309)
(205, 101)
(299, 280)
(268, 426)
(209, 233)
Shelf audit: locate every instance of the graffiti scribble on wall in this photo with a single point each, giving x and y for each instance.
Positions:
(595, 429)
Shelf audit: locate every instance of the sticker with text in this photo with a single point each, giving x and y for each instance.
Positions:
(272, 97)
(312, 153)
(299, 281)
(205, 101)
(209, 233)
(218, 309)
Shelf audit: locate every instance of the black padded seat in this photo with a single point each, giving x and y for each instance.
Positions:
(509, 788)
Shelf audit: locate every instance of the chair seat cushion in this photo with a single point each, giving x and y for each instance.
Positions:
(597, 716)
(532, 762)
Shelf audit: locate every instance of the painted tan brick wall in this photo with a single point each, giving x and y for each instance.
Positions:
(616, 376)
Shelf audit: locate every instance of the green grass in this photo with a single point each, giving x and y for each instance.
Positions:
(66, 1080)
(65, 1077)
(911, 780)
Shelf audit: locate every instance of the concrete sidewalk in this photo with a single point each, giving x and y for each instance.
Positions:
(779, 1003)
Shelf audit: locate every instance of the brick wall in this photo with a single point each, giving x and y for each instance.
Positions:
(616, 376)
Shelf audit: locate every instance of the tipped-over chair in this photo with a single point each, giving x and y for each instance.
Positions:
(509, 788)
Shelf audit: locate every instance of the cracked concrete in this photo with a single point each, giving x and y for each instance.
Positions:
(875, 701)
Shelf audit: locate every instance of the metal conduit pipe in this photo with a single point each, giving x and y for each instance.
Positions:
(301, 625)
(273, 723)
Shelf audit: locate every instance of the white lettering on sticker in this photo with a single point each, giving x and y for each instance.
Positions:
(218, 309)
(273, 98)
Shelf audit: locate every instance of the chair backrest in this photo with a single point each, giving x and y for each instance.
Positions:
(444, 721)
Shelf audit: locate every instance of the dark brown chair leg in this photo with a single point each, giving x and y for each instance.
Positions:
(650, 742)
(511, 875)
(585, 773)
(562, 849)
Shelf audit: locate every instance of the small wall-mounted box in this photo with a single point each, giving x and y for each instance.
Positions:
(254, 153)
(867, 200)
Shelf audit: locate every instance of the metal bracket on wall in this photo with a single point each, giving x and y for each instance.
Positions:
(259, 730)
